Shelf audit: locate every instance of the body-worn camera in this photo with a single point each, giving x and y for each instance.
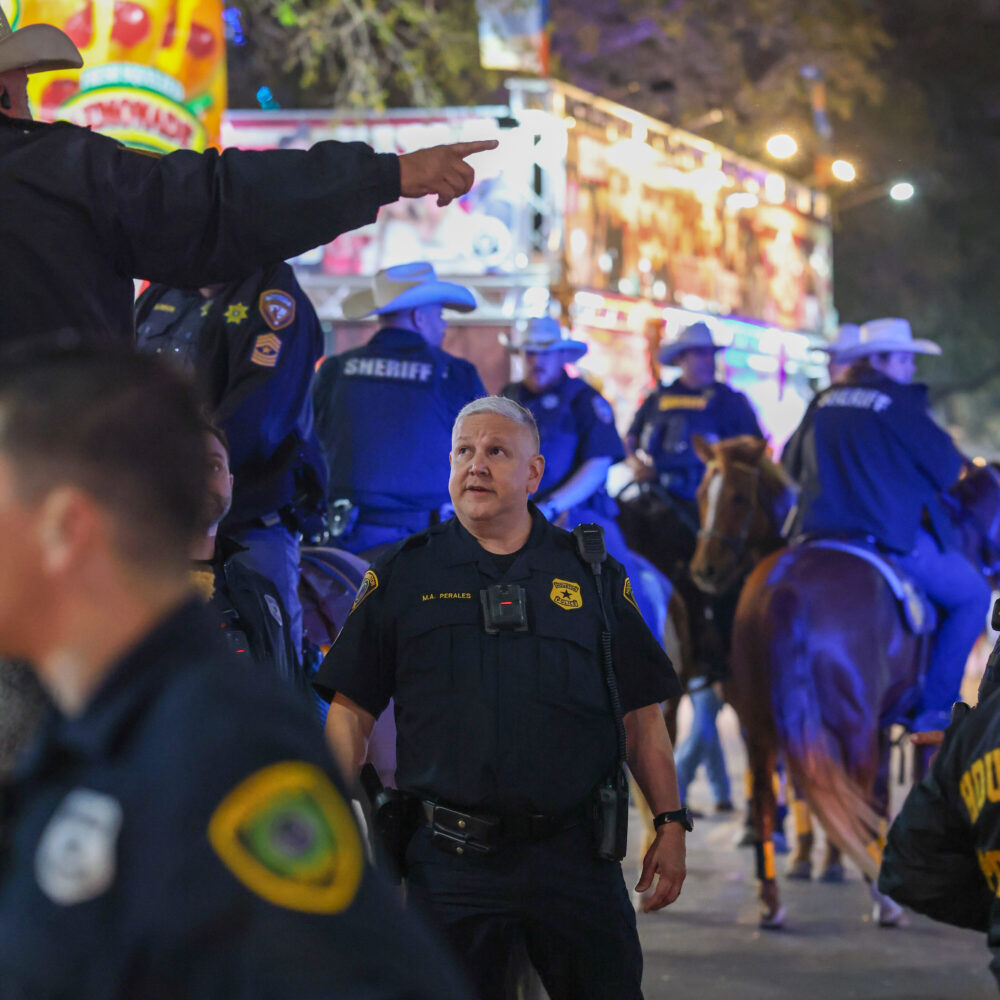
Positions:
(505, 606)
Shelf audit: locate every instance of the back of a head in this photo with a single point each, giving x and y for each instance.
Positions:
(121, 427)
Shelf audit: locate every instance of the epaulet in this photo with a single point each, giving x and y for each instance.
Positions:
(420, 539)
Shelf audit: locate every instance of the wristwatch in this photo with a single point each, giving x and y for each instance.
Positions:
(682, 816)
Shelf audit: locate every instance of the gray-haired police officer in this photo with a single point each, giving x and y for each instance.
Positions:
(489, 631)
(172, 833)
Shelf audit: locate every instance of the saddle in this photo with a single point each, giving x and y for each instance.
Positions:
(916, 610)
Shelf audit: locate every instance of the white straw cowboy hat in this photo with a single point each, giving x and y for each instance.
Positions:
(407, 286)
(848, 335)
(36, 48)
(544, 334)
(693, 337)
(879, 336)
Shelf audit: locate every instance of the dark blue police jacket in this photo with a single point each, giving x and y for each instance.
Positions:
(251, 348)
(671, 415)
(575, 423)
(188, 835)
(384, 414)
(871, 461)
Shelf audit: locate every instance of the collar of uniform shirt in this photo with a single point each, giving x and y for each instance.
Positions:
(462, 547)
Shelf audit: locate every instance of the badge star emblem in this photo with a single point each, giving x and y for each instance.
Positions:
(236, 313)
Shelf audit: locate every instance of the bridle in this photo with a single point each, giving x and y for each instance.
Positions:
(737, 543)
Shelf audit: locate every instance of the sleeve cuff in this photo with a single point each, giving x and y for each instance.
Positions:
(387, 181)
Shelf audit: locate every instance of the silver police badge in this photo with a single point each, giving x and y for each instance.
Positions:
(75, 860)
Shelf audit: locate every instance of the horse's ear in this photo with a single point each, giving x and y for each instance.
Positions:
(757, 450)
(705, 450)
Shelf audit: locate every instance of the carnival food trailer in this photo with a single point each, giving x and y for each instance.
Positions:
(625, 227)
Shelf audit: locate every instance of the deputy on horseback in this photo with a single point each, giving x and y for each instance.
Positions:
(659, 441)
(872, 463)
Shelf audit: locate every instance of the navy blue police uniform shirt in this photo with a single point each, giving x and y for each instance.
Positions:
(575, 423)
(85, 215)
(671, 415)
(509, 722)
(384, 414)
(189, 837)
(942, 856)
(252, 348)
(870, 461)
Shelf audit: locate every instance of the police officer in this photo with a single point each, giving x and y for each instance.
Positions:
(580, 443)
(252, 346)
(82, 215)
(487, 631)
(659, 440)
(246, 603)
(942, 857)
(871, 463)
(837, 366)
(384, 411)
(173, 834)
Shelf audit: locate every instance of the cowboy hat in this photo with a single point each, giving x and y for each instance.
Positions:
(847, 337)
(36, 48)
(879, 336)
(544, 334)
(407, 286)
(693, 337)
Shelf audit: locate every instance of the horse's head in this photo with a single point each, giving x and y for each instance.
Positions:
(975, 507)
(742, 501)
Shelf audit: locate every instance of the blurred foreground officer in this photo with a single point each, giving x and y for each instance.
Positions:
(246, 604)
(871, 463)
(695, 403)
(839, 361)
(251, 346)
(174, 834)
(84, 215)
(943, 852)
(384, 411)
(487, 631)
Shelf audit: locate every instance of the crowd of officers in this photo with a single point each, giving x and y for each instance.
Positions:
(170, 832)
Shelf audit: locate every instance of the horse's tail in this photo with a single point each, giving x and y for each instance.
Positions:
(814, 753)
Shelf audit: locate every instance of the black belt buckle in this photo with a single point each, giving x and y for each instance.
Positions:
(461, 833)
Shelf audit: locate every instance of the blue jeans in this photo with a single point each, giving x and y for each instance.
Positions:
(962, 597)
(274, 552)
(703, 746)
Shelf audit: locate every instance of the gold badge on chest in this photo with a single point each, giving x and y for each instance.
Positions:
(566, 594)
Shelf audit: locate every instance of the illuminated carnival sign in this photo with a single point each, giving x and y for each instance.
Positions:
(154, 73)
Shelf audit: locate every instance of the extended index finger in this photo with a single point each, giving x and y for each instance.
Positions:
(465, 149)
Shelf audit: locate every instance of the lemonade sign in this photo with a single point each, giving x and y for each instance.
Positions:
(154, 72)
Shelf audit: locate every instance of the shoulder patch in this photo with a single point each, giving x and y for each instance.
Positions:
(629, 595)
(274, 608)
(277, 308)
(602, 409)
(368, 584)
(266, 349)
(288, 835)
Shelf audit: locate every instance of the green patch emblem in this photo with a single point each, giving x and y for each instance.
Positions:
(288, 835)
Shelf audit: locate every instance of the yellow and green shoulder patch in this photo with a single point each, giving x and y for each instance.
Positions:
(628, 595)
(368, 585)
(288, 835)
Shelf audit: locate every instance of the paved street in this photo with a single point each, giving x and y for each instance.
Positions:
(708, 945)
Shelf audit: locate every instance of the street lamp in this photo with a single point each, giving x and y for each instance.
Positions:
(896, 190)
(902, 191)
(782, 146)
(843, 170)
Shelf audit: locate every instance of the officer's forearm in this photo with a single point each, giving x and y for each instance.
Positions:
(651, 758)
(348, 728)
(589, 478)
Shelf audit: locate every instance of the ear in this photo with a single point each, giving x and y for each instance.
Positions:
(536, 467)
(68, 522)
(757, 449)
(705, 450)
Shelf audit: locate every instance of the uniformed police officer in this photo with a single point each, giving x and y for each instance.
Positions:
(942, 857)
(580, 443)
(82, 215)
(246, 603)
(659, 442)
(871, 462)
(487, 631)
(848, 335)
(384, 411)
(252, 346)
(174, 834)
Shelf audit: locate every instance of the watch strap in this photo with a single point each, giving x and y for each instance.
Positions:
(682, 816)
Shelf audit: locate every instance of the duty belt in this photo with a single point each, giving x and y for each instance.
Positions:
(462, 832)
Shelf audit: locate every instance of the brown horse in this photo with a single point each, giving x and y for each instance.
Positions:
(821, 656)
